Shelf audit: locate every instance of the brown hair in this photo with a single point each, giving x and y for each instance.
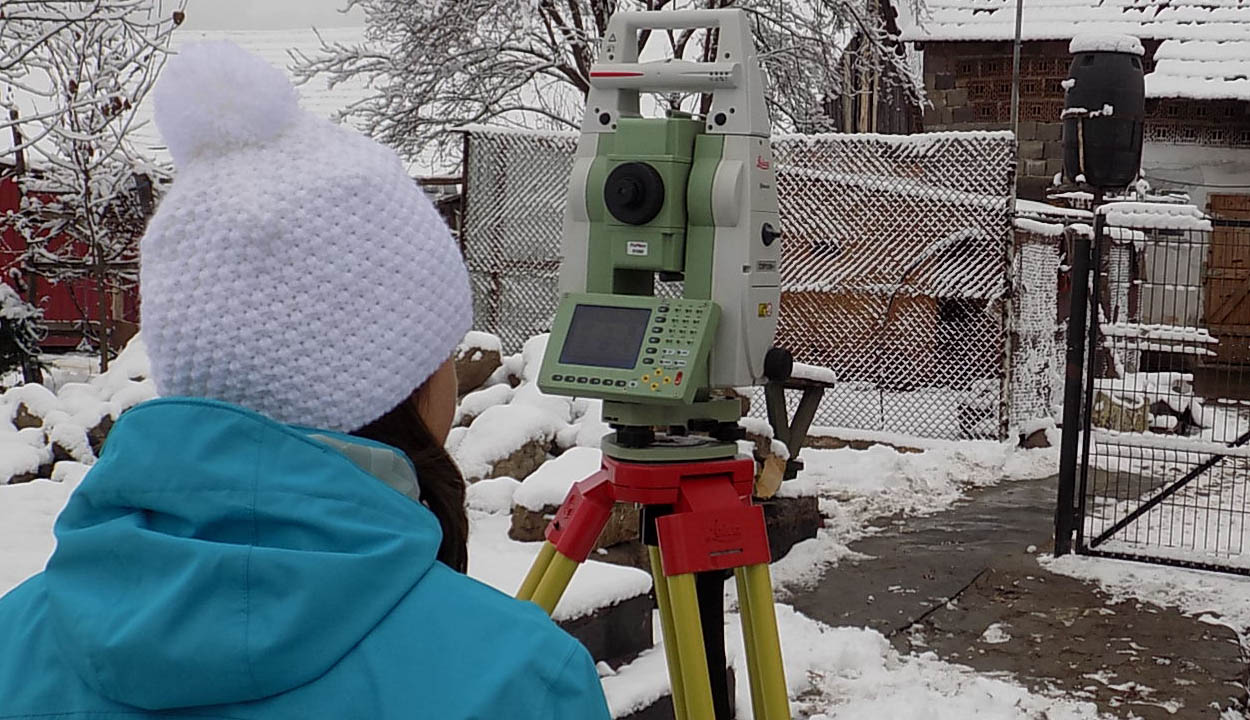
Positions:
(442, 485)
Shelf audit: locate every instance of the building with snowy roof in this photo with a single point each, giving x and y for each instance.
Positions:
(1197, 65)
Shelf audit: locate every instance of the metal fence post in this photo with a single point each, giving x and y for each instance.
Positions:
(1065, 510)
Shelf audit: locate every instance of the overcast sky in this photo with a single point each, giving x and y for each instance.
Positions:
(267, 14)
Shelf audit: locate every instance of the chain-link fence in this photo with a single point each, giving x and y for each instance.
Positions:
(897, 267)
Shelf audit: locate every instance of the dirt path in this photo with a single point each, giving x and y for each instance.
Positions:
(966, 585)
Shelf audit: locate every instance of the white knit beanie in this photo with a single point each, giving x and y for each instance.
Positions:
(294, 267)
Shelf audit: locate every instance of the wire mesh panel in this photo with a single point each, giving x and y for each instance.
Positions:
(1037, 371)
(1168, 470)
(897, 262)
(517, 185)
(895, 275)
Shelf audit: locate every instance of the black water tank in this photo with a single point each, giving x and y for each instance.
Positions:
(1106, 74)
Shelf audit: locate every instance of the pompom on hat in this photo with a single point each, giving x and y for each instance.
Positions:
(294, 267)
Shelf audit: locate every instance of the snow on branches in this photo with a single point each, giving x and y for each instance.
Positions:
(21, 331)
(85, 67)
(441, 64)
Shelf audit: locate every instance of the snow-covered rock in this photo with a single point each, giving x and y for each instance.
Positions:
(72, 423)
(511, 440)
(477, 358)
(552, 482)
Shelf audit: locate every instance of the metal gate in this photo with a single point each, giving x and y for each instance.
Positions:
(1156, 446)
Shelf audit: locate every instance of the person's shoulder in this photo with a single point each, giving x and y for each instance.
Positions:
(459, 596)
(26, 642)
(21, 610)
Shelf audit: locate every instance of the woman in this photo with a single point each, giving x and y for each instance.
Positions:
(282, 535)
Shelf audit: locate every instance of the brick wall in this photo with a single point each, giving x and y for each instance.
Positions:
(969, 84)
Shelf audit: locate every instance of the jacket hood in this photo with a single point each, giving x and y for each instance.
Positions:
(213, 556)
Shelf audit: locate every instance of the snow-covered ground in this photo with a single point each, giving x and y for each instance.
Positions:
(858, 486)
(1217, 598)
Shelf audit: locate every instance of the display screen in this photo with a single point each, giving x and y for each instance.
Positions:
(601, 336)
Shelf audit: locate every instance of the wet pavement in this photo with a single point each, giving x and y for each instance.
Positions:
(966, 585)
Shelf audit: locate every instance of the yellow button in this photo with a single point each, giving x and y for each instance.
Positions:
(646, 378)
(655, 386)
(668, 381)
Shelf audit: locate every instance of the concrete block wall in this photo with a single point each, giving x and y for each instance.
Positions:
(969, 84)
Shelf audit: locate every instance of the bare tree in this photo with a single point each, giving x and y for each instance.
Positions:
(440, 64)
(86, 65)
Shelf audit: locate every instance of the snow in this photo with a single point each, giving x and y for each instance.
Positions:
(756, 426)
(18, 456)
(995, 634)
(922, 141)
(1080, 112)
(638, 684)
(1201, 69)
(476, 340)
(854, 673)
(1169, 333)
(1106, 43)
(39, 400)
(1204, 54)
(551, 483)
(27, 512)
(493, 495)
(500, 431)
(814, 374)
(1155, 216)
(68, 414)
(855, 486)
(1185, 445)
(1193, 592)
(1040, 210)
(1039, 228)
(502, 563)
(477, 402)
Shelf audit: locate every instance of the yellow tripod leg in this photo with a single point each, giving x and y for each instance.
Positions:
(537, 570)
(748, 638)
(671, 655)
(554, 582)
(696, 682)
(774, 699)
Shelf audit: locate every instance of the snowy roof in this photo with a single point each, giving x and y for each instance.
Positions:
(1205, 50)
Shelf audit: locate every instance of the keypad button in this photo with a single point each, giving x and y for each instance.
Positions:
(620, 383)
(654, 340)
(652, 351)
(557, 378)
(583, 380)
(595, 381)
(648, 361)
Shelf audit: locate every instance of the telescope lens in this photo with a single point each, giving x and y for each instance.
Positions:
(634, 193)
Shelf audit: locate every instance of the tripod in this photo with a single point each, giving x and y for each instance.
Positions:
(706, 522)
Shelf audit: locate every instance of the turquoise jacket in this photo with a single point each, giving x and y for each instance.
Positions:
(217, 565)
